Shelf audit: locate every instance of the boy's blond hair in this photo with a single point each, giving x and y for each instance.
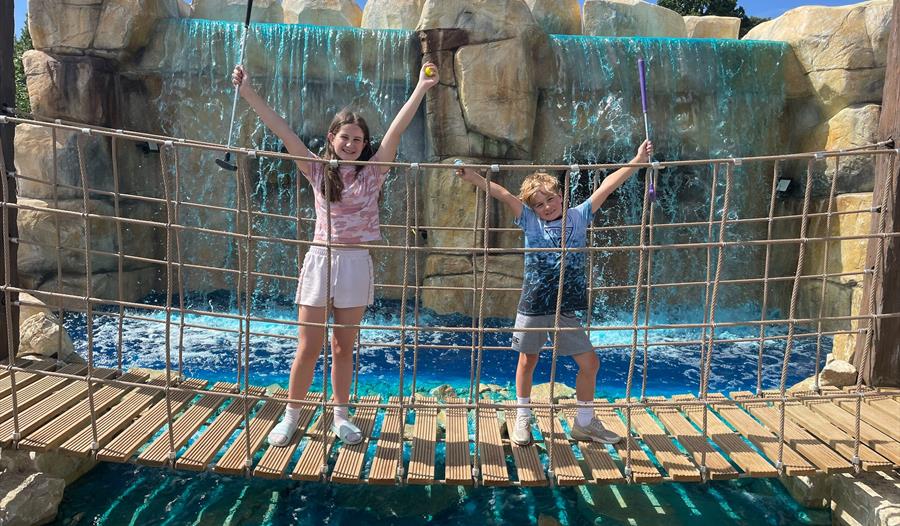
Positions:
(538, 181)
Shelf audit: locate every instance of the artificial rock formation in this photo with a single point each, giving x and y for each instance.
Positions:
(322, 12)
(628, 18)
(842, 50)
(561, 17)
(236, 10)
(79, 89)
(391, 14)
(712, 26)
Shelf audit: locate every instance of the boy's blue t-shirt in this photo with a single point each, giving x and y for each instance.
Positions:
(541, 278)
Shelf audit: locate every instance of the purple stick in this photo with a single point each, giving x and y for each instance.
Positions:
(643, 85)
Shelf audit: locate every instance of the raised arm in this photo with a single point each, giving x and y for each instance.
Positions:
(275, 122)
(617, 178)
(387, 150)
(497, 192)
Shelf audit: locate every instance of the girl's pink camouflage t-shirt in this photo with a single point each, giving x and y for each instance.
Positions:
(354, 219)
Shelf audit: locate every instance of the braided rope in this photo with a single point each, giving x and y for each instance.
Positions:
(54, 192)
(403, 297)
(121, 254)
(795, 290)
(708, 285)
(831, 203)
(557, 314)
(177, 219)
(765, 299)
(163, 151)
(249, 285)
(476, 472)
(88, 282)
(720, 262)
(7, 295)
(634, 332)
(876, 274)
(654, 173)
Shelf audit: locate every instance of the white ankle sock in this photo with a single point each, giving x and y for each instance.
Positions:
(341, 415)
(281, 434)
(524, 411)
(583, 414)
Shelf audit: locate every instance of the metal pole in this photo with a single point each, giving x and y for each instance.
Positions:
(7, 133)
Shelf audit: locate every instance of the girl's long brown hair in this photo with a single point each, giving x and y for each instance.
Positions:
(332, 185)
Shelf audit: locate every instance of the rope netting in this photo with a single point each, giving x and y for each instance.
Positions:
(246, 238)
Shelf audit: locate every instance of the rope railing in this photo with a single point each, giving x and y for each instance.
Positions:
(246, 274)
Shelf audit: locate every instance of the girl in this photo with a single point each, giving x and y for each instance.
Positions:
(353, 193)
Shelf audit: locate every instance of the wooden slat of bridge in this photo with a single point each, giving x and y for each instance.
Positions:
(184, 427)
(831, 434)
(199, 454)
(766, 441)
(642, 468)
(24, 378)
(730, 442)
(795, 436)
(34, 390)
(679, 467)
(602, 467)
(69, 423)
(114, 421)
(492, 458)
(69, 393)
(313, 458)
(872, 415)
(565, 466)
(421, 462)
(458, 456)
(387, 452)
(124, 445)
(693, 441)
(875, 439)
(233, 462)
(275, 460)
(350, 461)
(529, 469)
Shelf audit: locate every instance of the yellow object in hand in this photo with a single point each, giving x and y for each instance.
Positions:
(429, 71)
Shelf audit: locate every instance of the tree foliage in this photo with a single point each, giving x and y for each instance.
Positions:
(22, 44)
(713, 8)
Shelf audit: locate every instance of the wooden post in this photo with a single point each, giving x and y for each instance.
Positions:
(883, 366)
(7, 132)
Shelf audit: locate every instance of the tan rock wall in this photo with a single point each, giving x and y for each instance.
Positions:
(391, 14)
(322, 12)
(712, 26)
(562, 17)
(626, 18)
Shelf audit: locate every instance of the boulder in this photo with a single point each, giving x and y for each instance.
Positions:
(52, 464)
(29, 306)
(322, 12)
(482, 20)
(80, 89)
(125, 26)
(838, 373)
(42, 334)
(29, 499)
(236, 10)
(39, 226)
(443, 392)
(557, 17)
(810, 492)
(842, 49)
(542, 392)
(712, 26)
(136, 284)
(629, 18)
(497, 91)
(496, 303)
(851, 127)
(391, 14)
(846, 255)
(63, 27)
(35, 157)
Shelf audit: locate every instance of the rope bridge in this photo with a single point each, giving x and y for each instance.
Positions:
(163, 418)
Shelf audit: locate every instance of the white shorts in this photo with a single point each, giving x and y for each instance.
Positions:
(352, 278)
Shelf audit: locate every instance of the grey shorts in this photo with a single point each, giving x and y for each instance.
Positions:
(530, 342)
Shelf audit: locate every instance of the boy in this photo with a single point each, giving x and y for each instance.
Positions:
(541, 221)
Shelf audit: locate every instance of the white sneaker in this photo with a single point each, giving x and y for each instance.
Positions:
(594, 432)
(521, 431)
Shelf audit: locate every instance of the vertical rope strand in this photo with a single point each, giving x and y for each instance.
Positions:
(7, 296)
(121, 257)
(54, 189)
(654, 173)
(829, 214)
(249, 285)
(795, 291)
(165, 149)
(179, 262)
(88, 270)
(403, 296)
(776, 171)
(554, 423)
(708, 282)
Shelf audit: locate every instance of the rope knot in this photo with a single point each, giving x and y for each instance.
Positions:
(333, 163)
(495, 168)
(414, 167)
(251, 154)
(574, 168)
(86, 131)
(655, 165)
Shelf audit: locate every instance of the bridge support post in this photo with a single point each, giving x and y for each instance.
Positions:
(883, 366)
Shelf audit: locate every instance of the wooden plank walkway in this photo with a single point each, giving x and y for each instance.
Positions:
(666, 443)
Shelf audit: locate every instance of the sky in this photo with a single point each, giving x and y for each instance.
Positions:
(760, 8)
